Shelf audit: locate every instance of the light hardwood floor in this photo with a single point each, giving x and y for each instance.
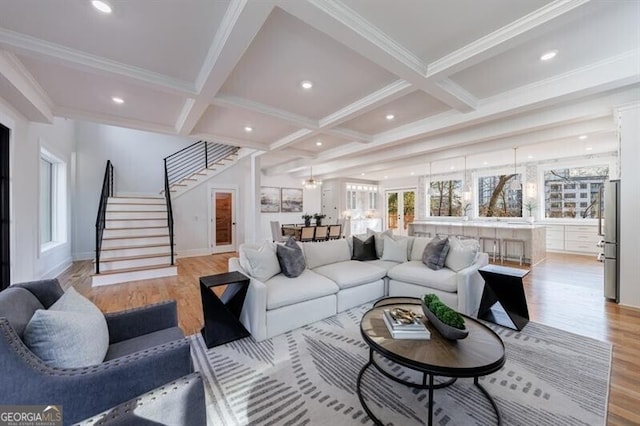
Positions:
(565, 291)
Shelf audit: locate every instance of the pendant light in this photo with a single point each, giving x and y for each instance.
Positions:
(515, 183)
(429, 189)
(311, 183)
(466, 188)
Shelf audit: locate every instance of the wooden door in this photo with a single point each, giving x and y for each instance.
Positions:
(224, 222)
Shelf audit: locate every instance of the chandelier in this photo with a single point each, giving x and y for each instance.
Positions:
(311, 183)
(515, 183)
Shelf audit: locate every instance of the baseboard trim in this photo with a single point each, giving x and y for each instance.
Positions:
(86, 255)
(193, 253)
(58, 269)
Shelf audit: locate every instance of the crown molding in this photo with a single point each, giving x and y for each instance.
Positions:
(113, 120)
(485, 47)
(389, 93)
(227, 140)
(12, 69)
(351, 135)
(37, 47)
(235, 102)
(290, 139)
(459, 97)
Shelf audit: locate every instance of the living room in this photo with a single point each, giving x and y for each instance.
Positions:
(385, 108)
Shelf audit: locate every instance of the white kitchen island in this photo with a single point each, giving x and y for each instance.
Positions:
(532, 235)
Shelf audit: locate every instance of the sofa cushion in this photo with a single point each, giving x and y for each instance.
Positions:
(379, 237)
(351, 273)
(18, 305)
(290, 258)
(283, 291)
(364, 250)
(143, 342)
(259, 260)
(410, 240)
(462, 253)
(72, 333)
(326, 252)
(384, 264)
(419, 243)
(415, 272)
(435, 253)
(395, 250)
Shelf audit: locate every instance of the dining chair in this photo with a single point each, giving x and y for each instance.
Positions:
(276, 232)
(335, 232)
(322, 233)
(307, 233)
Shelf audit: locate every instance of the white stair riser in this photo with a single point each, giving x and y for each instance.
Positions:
(136, 215)
(129, 242)
(215, 169)
(134, 232)
(135, 223)
(136, 207)
(134, 251)
(150, 200)
(99, 280)
(134, 263)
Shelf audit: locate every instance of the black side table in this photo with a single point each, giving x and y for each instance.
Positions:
(503, 300)
(222, 315)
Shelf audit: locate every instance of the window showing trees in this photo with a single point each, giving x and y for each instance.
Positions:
(563, 186)
(446, 198)
(497, 198)
(53, 200)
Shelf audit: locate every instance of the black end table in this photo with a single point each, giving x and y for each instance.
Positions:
(503, 300)
(222, 314)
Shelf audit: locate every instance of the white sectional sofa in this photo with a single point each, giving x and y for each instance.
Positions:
(332, 283)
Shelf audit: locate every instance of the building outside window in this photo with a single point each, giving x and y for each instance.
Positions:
(496, 198)
(53, 201)
(563, 186)
(446, 198)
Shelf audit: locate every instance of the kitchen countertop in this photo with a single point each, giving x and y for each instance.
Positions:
(482, 223)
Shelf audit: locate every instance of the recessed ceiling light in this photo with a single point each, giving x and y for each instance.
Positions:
(102, 6)
(390, 117)
(117, 100)
(452, 167)
(386, 177)
(413, 173)
(582, 137)
(362, 174)
(248, 129)
(485, 163)
(589, 148)
(547, 56)
(306, 84)
(529, 157)
(319, 143)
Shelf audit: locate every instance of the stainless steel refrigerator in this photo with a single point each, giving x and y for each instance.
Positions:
(610, 231)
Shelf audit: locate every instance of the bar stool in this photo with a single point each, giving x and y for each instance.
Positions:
(496, 246)
(505, 248)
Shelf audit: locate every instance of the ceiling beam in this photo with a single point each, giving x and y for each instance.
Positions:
(235, 102)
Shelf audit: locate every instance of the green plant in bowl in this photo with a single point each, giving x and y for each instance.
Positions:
(443, 312)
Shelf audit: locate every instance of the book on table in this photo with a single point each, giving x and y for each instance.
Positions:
(415, 329)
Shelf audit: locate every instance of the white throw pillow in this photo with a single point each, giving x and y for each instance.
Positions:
(326, 252)
(419, 243)
(395, 251)
(72, 333)
(260, 261)
(379, 237)
(462, 253)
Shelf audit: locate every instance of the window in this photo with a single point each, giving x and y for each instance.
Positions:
(53, 200)
(352, 200)
(373, 197)
(576, 183)
(497, 198)
(446, 198)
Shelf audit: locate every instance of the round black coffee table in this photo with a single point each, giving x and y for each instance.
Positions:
(480, 354)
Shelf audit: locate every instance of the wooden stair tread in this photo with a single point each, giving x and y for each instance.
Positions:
(135, 247)
(136, 269)
(138, 227)
(141, 256)
(136, 211)
(143, 197)
(138, 218)
(136, 236)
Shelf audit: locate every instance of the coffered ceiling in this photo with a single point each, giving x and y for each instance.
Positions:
(396, 84)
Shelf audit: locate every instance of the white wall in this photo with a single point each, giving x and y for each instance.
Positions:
(137, 158)
(27, 263)
(629, 206)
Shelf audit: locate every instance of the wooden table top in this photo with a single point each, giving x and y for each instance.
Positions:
(481, 353)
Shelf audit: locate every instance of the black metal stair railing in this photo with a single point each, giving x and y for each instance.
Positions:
(196, 157)
(167, 197)
(107, 191)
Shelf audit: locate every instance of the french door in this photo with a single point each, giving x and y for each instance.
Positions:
(5, 275)
(400, 210)
(223, 220)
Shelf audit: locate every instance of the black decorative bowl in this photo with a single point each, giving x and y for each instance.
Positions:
(447, 331)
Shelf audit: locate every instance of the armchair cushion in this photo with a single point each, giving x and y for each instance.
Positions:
(143, 342)
(72, 333)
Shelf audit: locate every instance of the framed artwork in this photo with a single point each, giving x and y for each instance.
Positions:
(291, 200)
(269, 199)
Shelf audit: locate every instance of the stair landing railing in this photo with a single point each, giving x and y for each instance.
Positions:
(107, 191)
(195, 158)
(167, 197)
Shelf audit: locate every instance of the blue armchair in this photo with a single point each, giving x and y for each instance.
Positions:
(146, 351)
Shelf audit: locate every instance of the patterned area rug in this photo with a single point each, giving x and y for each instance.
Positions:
(308, 377)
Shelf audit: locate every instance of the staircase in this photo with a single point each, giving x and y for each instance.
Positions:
(135, 241)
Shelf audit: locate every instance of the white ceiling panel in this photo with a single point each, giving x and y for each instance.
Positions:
(598, 32)
(165, 36)
(92, 93)
(229, 122)
(432, 29)
(409, 108)
(328, 142)
(286, 52)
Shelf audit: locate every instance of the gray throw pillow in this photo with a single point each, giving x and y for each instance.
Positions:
(72, 333)
(435, 253)
(364, 250)
(291, 259)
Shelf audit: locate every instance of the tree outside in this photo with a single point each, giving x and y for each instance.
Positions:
(574, 192)
(446, 198)
(496, 199)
